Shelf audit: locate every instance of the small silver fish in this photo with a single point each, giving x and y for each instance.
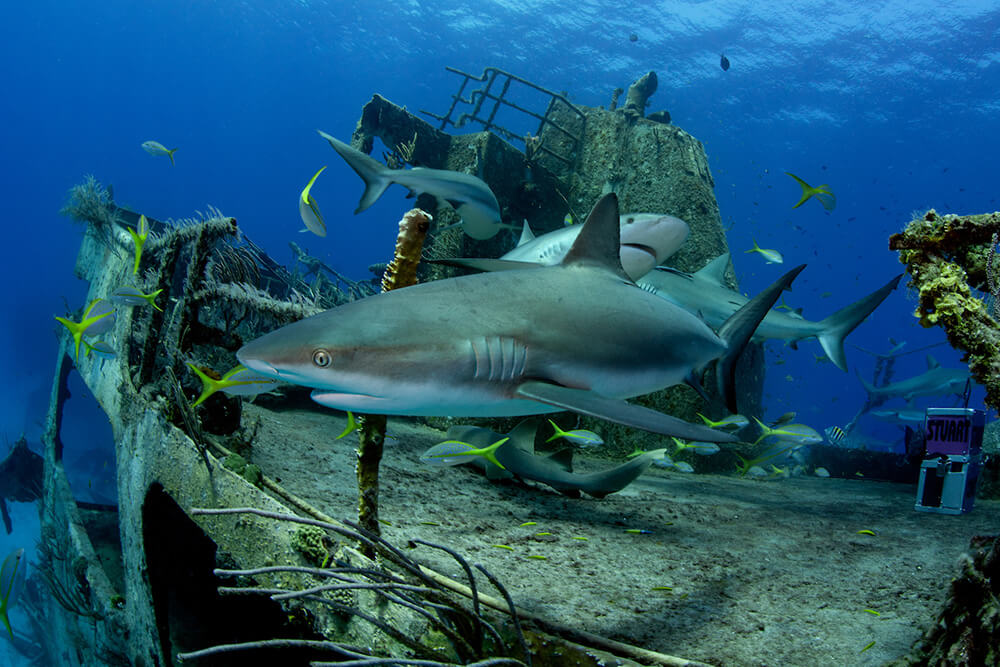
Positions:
(132, 296)
(156, 148)
(103, 325)
(580, 436)
(309, 209)
(772, 256)
(821, 472)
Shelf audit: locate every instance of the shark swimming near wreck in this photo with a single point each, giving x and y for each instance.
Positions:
(935, 381)
(577, 336)
(467, 194)
(706, 293)
(647, 240)
(518, 458)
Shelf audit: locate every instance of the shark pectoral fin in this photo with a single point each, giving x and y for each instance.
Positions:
(486, 264)
(618, 411)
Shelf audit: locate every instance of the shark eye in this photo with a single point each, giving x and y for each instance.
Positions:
(322, 358)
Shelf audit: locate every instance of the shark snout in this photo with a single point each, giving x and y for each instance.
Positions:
(659, 235)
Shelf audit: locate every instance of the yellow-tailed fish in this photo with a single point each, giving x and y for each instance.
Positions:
(239, 381)
(528, 523)
(351, 427)
(736, 421)
(156, 148)
(12, 574)
(309, 209)
(537, 557)
(702, 448)
(578, 436)
(90, 319)
(504, 546)
(868, 646)
(139, 237)
(795, 434)
(772, 256)
(132, 296)
(822, 193)
(865, 531)
(454, 452)
(873, 612)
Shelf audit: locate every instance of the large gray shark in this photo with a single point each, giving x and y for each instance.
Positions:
(706, 294)
(518, 458)
(468, 195)
(576, 336)
(647, 240)
(935, 381)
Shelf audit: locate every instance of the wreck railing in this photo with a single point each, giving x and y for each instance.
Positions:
(494, 101)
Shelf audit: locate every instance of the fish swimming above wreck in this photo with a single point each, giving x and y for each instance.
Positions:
(705, 292)
(516, 457)
(509, 343)
(467, 194)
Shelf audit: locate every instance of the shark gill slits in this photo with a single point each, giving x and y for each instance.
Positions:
(321, 358)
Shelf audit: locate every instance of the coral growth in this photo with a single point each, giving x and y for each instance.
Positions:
(946, 257)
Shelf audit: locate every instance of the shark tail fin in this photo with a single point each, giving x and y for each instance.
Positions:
(739, 328)
(375, 174)
(836, 327)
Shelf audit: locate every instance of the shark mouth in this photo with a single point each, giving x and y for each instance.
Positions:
(643, 248)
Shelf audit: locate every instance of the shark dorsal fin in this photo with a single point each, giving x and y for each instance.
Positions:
(523, 435)
(563, 458)
(932, 363)
(599, 242)
(715, 271)
(527, 236)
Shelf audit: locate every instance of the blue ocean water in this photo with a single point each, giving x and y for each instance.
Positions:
(894, 104)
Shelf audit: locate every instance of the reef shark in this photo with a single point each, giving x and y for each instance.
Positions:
(577, 336)
(647, 239)
(471, 198)
(706, 294)
(935, 381)
(518, 458)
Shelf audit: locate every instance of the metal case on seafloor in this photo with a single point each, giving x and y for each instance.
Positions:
(952, 457)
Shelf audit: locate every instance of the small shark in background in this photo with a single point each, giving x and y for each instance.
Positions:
(900, 416)
(577, 336)
(647, 239)
(518, 458)
(468, 195)
(706, 294)
(935, 381)
(20, 478)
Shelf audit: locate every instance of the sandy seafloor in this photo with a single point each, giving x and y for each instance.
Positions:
(763, 572)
